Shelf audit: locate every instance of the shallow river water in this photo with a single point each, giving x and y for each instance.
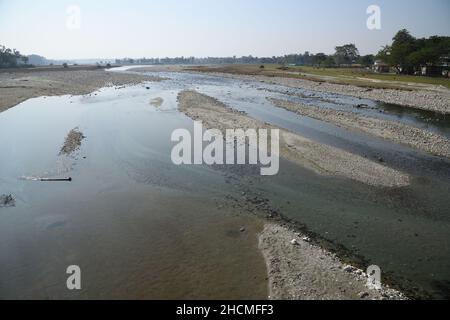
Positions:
(141, 227)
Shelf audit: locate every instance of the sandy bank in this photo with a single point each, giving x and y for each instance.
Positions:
(16, 87)
(394, 131)
(322, 159)
(300, 270)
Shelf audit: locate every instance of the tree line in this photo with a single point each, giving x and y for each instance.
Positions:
(347, 54)
(406, 55)
(11, 58)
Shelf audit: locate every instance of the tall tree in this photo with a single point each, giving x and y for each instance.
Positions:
(367, 60)
(346, 54)
(403, 45)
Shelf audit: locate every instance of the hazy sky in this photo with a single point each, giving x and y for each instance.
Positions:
(159, 28)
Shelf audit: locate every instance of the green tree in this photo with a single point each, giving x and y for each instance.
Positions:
(403, 45)
(407, 54)
(319, 59)
(346, 54)
(367, 60)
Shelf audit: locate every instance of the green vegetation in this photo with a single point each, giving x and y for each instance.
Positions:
(408, 54)
(358, 73)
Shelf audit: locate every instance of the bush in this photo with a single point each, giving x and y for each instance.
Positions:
(65, 65)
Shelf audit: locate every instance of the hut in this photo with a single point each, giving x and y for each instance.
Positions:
(380, 67)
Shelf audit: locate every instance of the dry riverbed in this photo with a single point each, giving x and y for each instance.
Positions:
(394, 131)
(322, 159)
(17, 86)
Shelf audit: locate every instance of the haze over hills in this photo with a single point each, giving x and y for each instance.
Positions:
(38, 60)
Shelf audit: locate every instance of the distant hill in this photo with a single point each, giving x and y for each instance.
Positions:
(37, 60)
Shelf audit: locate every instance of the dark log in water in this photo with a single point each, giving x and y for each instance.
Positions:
(56, 180)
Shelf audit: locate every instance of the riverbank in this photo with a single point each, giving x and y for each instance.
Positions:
(300, 270)
(430, 98)
(396, 132)
(20, 85)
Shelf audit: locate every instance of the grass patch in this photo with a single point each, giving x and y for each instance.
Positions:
(346, 76)
(361, 73)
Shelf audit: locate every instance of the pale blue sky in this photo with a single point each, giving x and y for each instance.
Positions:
(159, 28)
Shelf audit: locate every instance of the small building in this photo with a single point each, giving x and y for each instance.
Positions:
(380, 67)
